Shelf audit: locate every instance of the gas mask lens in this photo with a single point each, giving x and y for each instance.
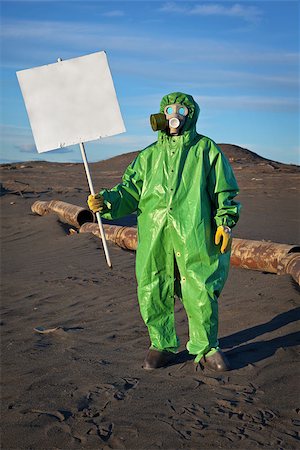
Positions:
(175, 110)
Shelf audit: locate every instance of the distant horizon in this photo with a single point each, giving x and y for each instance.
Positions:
(39, 160)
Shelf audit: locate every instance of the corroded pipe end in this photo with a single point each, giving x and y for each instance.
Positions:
(290, 265)
(84, 216)
(40, 208)
(71, 214)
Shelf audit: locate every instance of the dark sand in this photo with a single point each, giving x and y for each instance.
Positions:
(82, 387)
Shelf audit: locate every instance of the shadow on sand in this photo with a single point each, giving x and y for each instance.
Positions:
(251, 333)
(256, 351)
(249, 353)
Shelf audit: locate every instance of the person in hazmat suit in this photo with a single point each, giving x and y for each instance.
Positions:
(183, 189)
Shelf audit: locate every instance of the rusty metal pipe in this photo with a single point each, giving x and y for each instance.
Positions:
(124, 237)
(71, 214)
(248, 254)
(40, 208)
(259, 255)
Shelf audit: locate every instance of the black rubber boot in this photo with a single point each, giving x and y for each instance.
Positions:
(217, 362)
(156, 359)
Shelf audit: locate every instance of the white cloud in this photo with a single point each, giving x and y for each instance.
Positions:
(17, 144)
(31, 148)
(128, 141)
(26, 148)
(244, 102)
(72, 38)
(114, 13)
(19, 139)
(215, 102)
(247, 13)
(199, 77)
(210, 105)
(13, 134)
(13, 138)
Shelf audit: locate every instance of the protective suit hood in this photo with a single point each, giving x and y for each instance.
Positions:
(189, 128)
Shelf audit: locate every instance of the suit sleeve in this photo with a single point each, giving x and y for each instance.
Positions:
(123, 199)
(223, 188)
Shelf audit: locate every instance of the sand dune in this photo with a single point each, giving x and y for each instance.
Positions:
(82, 386)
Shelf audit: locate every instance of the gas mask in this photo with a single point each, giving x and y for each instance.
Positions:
(172, 120)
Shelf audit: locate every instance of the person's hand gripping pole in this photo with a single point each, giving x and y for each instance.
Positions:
(95, 202)
(102, 234)
(223, 232)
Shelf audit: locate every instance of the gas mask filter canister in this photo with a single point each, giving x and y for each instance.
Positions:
(158, 122)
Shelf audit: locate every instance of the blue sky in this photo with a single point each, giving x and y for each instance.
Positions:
(239, 60)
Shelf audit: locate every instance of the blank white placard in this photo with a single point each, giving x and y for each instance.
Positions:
(71, 101)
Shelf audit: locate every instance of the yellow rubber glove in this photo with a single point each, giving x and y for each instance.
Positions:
(224, 233)
(95, 202)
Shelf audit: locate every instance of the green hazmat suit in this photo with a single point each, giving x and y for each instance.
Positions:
(182, 188)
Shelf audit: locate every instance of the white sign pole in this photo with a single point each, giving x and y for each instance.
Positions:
(88, 175)
(89, 179)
